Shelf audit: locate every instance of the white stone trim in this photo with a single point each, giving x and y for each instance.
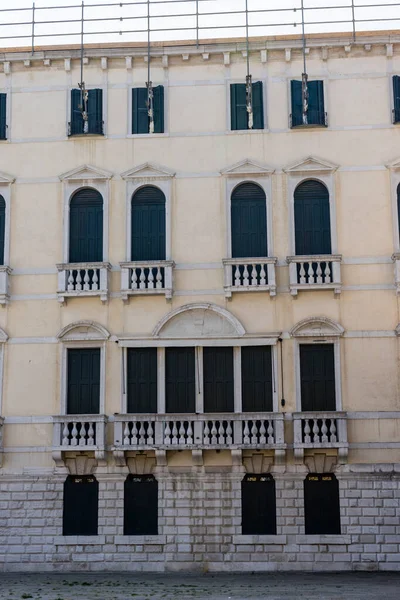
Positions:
(394, 170)
(157, 176)
(3, 339)
(318, 170)
(74, 180)
(6, 182)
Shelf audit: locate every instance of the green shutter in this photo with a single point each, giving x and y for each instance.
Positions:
(2, 228)
(239, 119)
(158, 105)
(256, 379)
(95, 111)
(248, 221)
(317, 375)
(180, 380)
(258, 106)
(218, 379)
(86, 226)
(312, 219)
(3, 116)
(142, 380)
(76, 113)
(140, 117)
(396, 99)
(83, 389)
(148, 224)
(316, 108)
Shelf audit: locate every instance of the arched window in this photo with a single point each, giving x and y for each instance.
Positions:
(2, 228)
(81, 505)
(86, 226)
(258, 505)
(140, 505)
(249, 221)
(148, 224)
(321, 504)
(312, 219)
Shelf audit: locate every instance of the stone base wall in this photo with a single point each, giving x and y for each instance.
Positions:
(200, 526)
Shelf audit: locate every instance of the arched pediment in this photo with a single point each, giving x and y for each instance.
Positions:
(82, 331)
(247, 166)
(199, 321)
(317, 327)
(148, 170)
(86, 173)
(311, 165)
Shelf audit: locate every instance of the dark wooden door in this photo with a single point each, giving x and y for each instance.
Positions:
(180, 380)
(140, 505)
(83, 396)
(312, 219)
(218, 380)
(2, 228)
(86, 226)
(148, 224)
(142, 380)
(80, 506)
(249, 221)
(317, 373)
(256, 379)
(258, 505)
(321, 504)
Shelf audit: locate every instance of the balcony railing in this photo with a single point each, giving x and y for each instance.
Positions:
(313, 118)
(5, 273)
(320, 430)
(206, 431)
(83, 279)
(90, 127)
(249, 275)
(313, 272)
(146, 277)
(79, 433)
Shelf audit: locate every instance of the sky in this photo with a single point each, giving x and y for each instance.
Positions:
(164, 17)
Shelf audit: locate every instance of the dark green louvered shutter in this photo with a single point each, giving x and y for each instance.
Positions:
(248, 221)
(148, 224)
(258, 505)
(218, 379)
(317, 375)
(86, 226)
(316, 108)
(3, 116)
(312, 219)
(2, 228)
(158, 107)
(140, 117)
(83, 388)
(238, 107)
(297, 103)
(398, 206)
(95, 111)
(80, 505)
(180, 380)
(140, 505)
(396, 99)
(142, 380)
(258, 105)
(76, 113)
(256, 379)
(321, 504)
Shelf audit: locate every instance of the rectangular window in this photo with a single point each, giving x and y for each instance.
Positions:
(83, 386)
(315, 114)
(258, 505)
(3, 116)
(256, 379)
(142, 380)
(140, 116)
(321, 504)
(140, 505)
(218, 380)
(180, 380)
(396, 99)
(317, 374)
(81, 505)
(239, 116)
(94, 123)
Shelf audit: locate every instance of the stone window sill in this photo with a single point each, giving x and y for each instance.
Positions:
(323, 539)
(259, 539)
(79, 540)
(128, 540)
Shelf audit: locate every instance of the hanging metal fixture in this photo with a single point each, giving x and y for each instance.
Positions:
(149, 83)
(83, 105)
(304, 76)
(249, 82)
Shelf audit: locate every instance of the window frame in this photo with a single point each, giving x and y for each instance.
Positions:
(101, 87)
(394, 172)
(133, 85)
(228, 129)
(6, 182)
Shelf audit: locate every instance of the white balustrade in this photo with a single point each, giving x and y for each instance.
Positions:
(83, 279)
(249, 275)
(146, 277)
(314, 272)
(320, 430)
(78, 433)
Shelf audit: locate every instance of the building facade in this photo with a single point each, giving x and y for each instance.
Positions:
(199, 326)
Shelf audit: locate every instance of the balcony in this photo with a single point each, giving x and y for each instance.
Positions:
(320, 430)
(146, 278)
(83, 279)
(5, 273)
(315, 272)
(79, 433)
(313, 118)
(249, 275)
(225, 431)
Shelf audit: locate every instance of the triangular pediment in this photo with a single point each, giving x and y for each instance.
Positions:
(83, 331)
(3, 336)
(394, 165)
(148, 170)
(6, 179)
(86, 172)
(317, 327)
(247, 167)
(311, 165)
